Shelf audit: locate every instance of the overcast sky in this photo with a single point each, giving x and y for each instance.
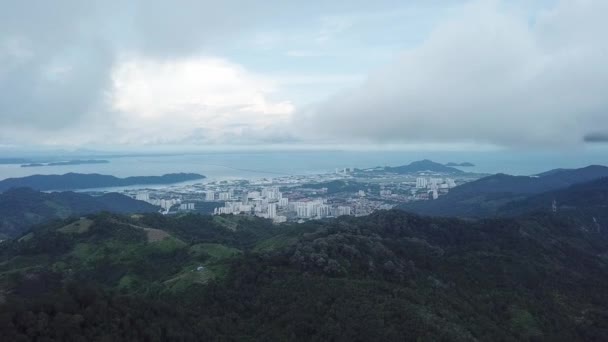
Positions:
(446, 73)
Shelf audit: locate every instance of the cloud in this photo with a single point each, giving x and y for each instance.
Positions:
(140, 73)
(194, 100)
(57, 58)
(487, 75)
(596, 138)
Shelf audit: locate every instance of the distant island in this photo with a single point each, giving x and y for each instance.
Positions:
(5, 161)
(423, 166)
(75, 181)
(65, 163)
(465, 164)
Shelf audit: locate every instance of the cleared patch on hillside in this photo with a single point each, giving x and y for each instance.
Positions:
(275, 242)
(155, 235)
(77, 227)
(226, 223)
(168, 244)
(26, 237)
(191, 275)
(214, 250)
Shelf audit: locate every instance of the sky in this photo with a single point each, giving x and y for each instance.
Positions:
(449, 74)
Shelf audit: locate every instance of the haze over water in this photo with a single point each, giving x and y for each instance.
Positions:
(253, 165)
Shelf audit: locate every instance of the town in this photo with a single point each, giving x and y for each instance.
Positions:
(347, 191)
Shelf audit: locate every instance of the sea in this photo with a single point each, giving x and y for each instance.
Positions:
(270, 164)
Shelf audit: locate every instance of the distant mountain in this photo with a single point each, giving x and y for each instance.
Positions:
(74, 181)
(20, 208)
(67, 163)
(14, 161)
(423, 166)
(465, 164)
(483, 197)
(552, 172)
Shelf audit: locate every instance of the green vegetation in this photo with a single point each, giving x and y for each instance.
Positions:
(21, 209)
(77, 227)
(388, 276)
(505, 195)
(214, 250)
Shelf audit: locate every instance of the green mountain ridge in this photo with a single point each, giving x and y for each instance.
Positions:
(22, 208)
(486, 196)
(423, 166)
(388, 276)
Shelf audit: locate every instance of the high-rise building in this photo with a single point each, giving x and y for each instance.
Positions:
(142, 196)
(343, 210)
(210, 196)
(272, 210)
(301, 211)
(435, 182)
(186, 206)
(421, 183)
(284, 202)
(323, 210)
(271, 193)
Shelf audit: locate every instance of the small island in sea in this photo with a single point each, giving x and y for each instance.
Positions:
(76, 181)
(465, 164)
(69, 162)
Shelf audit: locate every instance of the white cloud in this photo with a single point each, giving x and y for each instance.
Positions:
(486, 75)
(205, 99)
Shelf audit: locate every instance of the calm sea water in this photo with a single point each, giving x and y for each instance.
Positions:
(251, 165)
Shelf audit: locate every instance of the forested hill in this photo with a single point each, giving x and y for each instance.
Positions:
(423, 166)
(391, 276)
(590, 199)
(74, 181)
(22, 208)
(484, 197)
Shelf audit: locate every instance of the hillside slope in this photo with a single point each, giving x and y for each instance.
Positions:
(484, 197)
(388, 276)
(23, 207)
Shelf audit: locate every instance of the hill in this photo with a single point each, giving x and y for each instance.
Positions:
(388, 276)
(423, 166)
(22, 208)
(74, 181)
(483, 197)
(464, 164)
(589, 200)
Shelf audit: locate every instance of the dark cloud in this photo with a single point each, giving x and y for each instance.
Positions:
(596, 137)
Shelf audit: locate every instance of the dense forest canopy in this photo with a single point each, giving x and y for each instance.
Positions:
(388, 276)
